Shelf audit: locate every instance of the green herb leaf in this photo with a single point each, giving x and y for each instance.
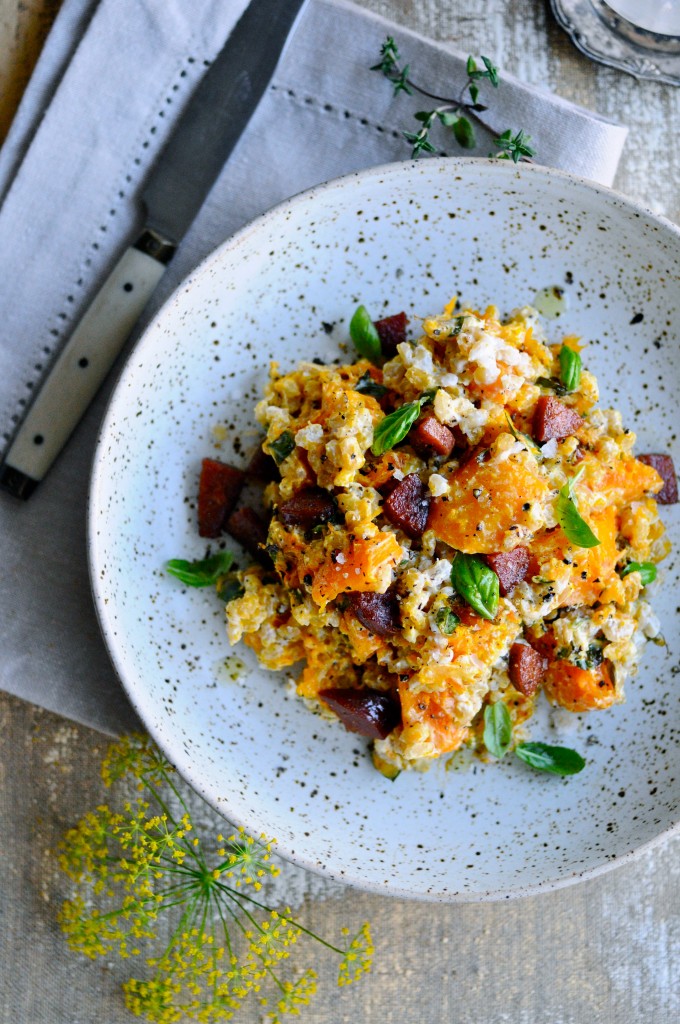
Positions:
(476, 583)
(513, 147)
(474, 92)
(447, 621)
(543, 757)
(497, 729)
(282, 446)
(389, 54)
(397, 424)
(420, 142)
(448, 117)
(555, 385)
(647, 571)
(464, 133)
(229, 587)
(525, 440)
(203, 573)
(367, 386)
(365, 336)
(570, 368)
(572, 522)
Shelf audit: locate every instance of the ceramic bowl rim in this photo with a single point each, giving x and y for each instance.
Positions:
(386, 171)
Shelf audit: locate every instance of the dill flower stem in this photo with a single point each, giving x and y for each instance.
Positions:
(238, 896)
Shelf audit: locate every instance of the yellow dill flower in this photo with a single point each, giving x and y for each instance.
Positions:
(129, 866)
(358, 958)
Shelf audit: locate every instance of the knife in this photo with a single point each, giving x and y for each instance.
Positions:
(195, 153)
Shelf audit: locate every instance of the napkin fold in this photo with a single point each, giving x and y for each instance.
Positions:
(112, 79)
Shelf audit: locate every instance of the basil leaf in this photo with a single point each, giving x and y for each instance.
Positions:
(647, 571)
(365, 336)
(447, 621)
(497, 729)
(203, 573)
(527, 441)
(555, 385)
(397, 424)
(464, 133)
(543, 757)
(367, 386)
(476, 583)
(570, 368)
(282, 446)
(229, 588)
(574, 525)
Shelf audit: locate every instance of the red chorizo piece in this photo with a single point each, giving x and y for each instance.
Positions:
(261, 467)
(663, 464)
(527, 669)
(379, 613)
(431, 435)
(408, 506)
(219, 488)
(511, 567)
(368, 712)
(250, 531)
(554, 419)
(310, 506)
(392, 332)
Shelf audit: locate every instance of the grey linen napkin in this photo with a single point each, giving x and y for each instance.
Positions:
(112, 79)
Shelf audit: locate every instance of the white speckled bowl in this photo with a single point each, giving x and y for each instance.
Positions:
(405, 236)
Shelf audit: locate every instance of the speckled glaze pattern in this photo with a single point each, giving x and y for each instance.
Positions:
(405, 236)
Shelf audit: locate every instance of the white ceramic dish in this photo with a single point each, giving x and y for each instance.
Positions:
(405, 236)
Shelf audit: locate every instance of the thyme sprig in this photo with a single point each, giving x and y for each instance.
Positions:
(454, 114)
(132, 866)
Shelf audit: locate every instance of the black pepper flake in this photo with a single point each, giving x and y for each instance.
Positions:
(638, 318)
(526, 506)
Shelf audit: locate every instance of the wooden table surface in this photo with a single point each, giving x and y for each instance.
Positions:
(604, 951)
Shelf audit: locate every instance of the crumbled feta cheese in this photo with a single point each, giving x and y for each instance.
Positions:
(438, 485)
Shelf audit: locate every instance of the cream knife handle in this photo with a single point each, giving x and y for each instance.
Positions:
(80, 369)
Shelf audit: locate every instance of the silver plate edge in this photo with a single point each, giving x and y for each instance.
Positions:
(630, 61)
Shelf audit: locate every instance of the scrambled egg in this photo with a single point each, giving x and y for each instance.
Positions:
(496, 491)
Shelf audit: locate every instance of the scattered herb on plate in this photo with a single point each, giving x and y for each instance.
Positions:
(541, 756)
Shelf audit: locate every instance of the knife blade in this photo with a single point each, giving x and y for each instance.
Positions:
(175, 188)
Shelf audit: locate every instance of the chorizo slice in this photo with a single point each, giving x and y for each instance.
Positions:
(527, 669)
(663, 464)
(262, 467)
(246, 526)
(370, 713)
(310, 506)
(379, 613)
(219, 488)
(511, 567)
(430, 434)
(553, 418)
(392, 332)
(408, 506)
